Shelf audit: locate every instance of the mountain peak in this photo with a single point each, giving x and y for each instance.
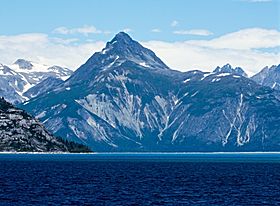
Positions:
(121, 51)
(269, 76)
(24, 64)
(122, 36)
(127, 49)
(276, 68)
(121, 42)
(227, 68)
(123, 48)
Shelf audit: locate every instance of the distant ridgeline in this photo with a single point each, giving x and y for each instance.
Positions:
(124, 98)
(19, 132)
(25, 79)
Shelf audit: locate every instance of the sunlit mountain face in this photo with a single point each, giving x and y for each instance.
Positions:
(124, 98)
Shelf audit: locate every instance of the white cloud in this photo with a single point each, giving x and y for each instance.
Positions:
(61, 30)
(85, 30)
(65, 41)
(174, 23)
(252, 38)
(156, 30)
(256, 1)
(43, 49)
(107, 32)
(237, 48)
(126, 30)
(245, 48)
(198, 32)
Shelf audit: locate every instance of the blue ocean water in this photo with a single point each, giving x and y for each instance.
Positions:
(139, 179)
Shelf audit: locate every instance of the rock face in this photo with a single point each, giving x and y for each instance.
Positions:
(269, 76)
(225, 113)
(124, 98)
(19, 132)
(17, 79)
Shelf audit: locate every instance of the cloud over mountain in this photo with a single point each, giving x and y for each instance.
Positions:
(251, 48)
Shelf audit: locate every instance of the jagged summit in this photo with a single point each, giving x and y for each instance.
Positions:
(120, 42)
(275, 68)
(24, 64)
(269, 76)
(127, 49)
(122, 36)
(121, 51)
(229, 69)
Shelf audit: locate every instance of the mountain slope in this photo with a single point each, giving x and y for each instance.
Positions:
(21, 133)
(269, 76)
(10, 84)
(44, 86)
(124, 98)
(224, 113)
(17, 79)
(121, 107)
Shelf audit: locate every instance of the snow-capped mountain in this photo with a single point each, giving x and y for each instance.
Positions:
(124, 98)
(229, 69)
(18, 78)
(27, 67)
(269, 76)
(22, 133)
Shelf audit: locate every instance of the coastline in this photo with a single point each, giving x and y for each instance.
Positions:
(141, 153)
(228, 157)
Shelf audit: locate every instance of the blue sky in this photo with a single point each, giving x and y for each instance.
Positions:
(217, 16)
(79, 22)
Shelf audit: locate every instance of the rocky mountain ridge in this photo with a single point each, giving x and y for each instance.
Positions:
(124, 98)
(19, 132)
(18, 78)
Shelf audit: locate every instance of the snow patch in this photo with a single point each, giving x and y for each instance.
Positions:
(194, 94)
(187, 80)
(143, 64)
(205, 75)
(41, 115)
(112, 63)
(223, 74)
(215, 80)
